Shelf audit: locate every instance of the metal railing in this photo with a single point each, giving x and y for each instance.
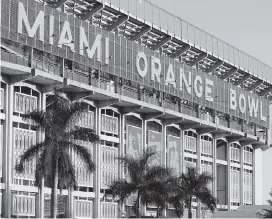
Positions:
(23, 205)
(109, 165)
(47, 67)
(109, 210)
(190, 143)
(109, 124)
(83, 208)
(24, 103)
(83, 175)
(13, 58)
(87, 120)
(163, 20)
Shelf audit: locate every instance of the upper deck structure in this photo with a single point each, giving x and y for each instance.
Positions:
(140, 20)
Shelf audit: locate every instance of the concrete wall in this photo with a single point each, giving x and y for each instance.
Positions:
(267, 165)
(258, 177)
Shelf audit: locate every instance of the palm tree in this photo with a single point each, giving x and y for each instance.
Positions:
(268, 213)
(144, 180)
(169, 195)
(194, 184)
(60, 125)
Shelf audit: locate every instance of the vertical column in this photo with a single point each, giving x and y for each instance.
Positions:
(214, 168)
(30, 60)
(144, 124)
(144, 130)
(97, 174)
(121, 152)
(242, 175)
(229, 176)
(41, 136)
(181, 151)
(164, 152)
(62, 67)
(198, 166)
(8, 145)
(253, 177)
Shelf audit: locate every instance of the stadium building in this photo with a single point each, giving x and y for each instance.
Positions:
(150, 79)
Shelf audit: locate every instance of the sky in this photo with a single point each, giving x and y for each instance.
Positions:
(245, 24)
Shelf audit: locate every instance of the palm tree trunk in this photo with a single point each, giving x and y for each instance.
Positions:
(158, 211)
(54, 201)
(138, 207)
(190, 215)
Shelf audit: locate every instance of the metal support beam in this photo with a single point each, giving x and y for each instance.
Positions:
(234, 139)
(242, 80)
(148, 116)
(20, 78)
(5, 78)
(140, 34)
(216, 65)
(79, 95)
(266, 91)
(198, 59)
(254, 86)
(161, 43)
(57, 4)
(170, 121)
(130, 109)
(228, 74)
(104, 103)
(202, 131)
(220, 135)
(181, 51)
(260, 145)
(90, 13)
(188, 126)
(120, 21)
(51, 87)
(247, 142)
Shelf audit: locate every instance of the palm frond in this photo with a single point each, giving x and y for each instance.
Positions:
(44, 167)
(29, 154)
(205, 178)
(133, 168)
(74, 112)
(267, 214)
(146, 156)
(122, 189)
(178, 204)
(207, 199)
(84, 134)
(57, 101)
(83, 152)
(38, 117)
(66, 172)
(157, 171)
